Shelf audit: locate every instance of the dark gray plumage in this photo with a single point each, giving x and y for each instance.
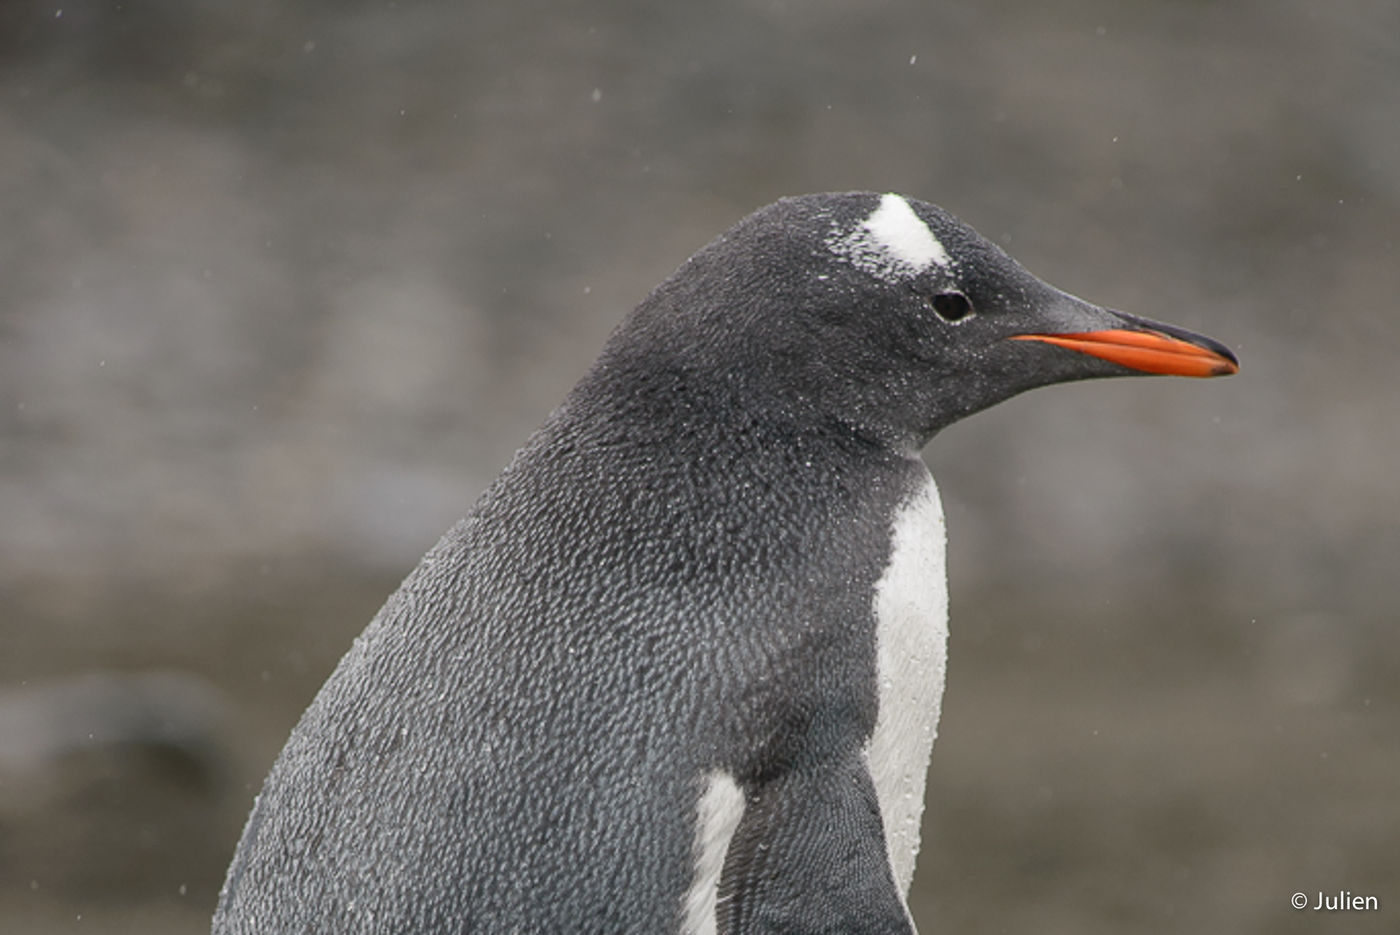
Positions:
(674, 579)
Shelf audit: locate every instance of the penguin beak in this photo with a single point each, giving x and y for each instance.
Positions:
(1149, 347)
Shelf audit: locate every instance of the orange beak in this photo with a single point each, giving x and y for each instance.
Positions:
(1147, 351)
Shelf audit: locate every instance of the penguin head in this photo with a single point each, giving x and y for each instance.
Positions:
(887, 316)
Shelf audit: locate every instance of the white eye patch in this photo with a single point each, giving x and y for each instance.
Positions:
(892, 243)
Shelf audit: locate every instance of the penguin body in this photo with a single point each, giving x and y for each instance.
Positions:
(679, 669)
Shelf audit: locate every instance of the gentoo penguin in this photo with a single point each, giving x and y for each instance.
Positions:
(679, 669)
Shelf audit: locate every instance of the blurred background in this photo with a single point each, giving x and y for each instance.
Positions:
(286, 284)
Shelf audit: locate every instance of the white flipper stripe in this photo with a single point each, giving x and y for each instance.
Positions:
(717, 817)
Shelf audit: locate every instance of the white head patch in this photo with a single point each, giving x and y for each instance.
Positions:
(892, 243)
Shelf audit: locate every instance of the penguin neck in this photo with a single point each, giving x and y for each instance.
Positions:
(676, 392)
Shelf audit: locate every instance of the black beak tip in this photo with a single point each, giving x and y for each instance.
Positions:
(1190, 337)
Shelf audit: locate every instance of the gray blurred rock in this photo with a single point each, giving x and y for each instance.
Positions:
(109, 780)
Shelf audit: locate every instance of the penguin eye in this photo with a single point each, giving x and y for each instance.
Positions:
(951, 306)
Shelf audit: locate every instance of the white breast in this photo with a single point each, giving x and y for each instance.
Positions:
(911, 614)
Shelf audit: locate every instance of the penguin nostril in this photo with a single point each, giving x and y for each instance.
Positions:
(951, 306)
